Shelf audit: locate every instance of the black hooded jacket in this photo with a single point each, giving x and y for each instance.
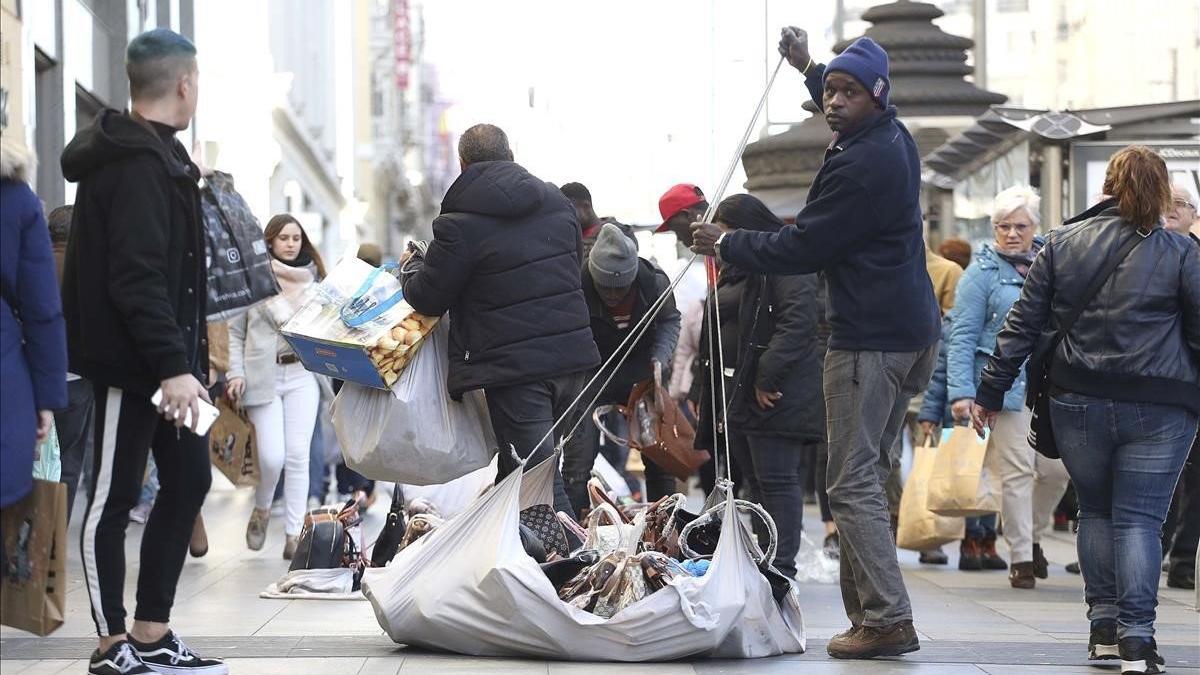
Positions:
(134, 276)
(504, 262)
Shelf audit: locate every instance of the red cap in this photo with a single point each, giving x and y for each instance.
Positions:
(677, 199)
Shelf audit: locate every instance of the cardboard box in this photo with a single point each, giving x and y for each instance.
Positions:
(372, 352)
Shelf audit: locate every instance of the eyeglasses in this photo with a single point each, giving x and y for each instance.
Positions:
(1183, 203)
(1005, 228)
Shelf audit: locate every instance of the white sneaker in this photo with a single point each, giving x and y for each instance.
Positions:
(141, 513)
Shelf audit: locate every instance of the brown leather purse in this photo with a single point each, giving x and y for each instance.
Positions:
(657, 429)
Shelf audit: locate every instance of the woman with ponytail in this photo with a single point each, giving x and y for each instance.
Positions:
(1124, 388)
(267, 378)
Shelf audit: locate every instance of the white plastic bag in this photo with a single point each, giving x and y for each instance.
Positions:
(415, 434)
(470, 588)
(812, 564)
(452, 498)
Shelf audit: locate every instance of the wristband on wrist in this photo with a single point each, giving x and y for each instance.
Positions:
(717, 245)
(804, 70)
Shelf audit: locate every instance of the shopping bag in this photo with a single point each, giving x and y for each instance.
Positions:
(233, 447)
(47, 464)
(961, 484)
(239, 266)
(33, 593)
(415, 433)
(921, 529)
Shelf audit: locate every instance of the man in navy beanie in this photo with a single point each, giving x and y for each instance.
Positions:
(862, 226)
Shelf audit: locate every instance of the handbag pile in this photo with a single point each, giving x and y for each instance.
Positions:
(510, 577)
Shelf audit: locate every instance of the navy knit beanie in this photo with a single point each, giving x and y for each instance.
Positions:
(868, 63)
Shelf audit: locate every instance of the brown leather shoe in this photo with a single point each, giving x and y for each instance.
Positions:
(1021, 575)
(198, 546)
(870, 642)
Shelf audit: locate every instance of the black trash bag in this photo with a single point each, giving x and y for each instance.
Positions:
(239, 264)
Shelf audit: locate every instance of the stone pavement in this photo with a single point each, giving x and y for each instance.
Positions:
(969, 622)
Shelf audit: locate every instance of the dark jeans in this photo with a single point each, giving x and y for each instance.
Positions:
(1125, 459)
(74, 427)
(981, 526)
(579, 455)
(318, 470)
(1183, 532)
(350, 481)
(522, 414)
(866, 398)
(774, 469)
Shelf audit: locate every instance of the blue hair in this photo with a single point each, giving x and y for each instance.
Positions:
(155, 59)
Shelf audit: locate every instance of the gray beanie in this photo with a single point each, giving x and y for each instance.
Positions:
(613, 261)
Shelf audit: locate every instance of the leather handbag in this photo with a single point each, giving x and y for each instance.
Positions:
(544, 524)
(387, 545)
(1037, 369)
(657, 429)
(322, 546)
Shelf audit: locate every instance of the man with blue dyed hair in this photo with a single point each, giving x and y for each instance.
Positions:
(134, 290)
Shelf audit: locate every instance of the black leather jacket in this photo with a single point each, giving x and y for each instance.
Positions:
(1138, 340)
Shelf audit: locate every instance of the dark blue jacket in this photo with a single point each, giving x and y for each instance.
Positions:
(504, 261)
(33, 338)
(862, 225)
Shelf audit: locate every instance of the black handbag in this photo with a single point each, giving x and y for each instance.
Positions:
(1037, 369)
(322, 546)
(388, 542)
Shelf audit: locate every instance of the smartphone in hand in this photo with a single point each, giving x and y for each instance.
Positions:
(208, 414)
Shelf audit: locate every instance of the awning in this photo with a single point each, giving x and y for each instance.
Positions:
(1001, 128)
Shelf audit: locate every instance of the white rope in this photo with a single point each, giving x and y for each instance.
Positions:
(708, 215)
(643, 324)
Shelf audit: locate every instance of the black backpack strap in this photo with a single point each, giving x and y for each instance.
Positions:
(1099, 280)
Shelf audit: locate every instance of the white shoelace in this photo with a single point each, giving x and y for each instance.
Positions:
(183, 653)
(125, 658)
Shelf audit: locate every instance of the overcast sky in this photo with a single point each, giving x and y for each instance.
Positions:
(626, 96)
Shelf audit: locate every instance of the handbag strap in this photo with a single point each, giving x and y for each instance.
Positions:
(1097, 283)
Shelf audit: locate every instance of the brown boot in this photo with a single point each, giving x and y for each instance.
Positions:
(198, 546)
(1021, 575)
(969, 557)
(870, 642)
(1041, 566)
(987, 552)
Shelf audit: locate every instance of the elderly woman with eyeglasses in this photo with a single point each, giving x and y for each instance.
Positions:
(1032, 484)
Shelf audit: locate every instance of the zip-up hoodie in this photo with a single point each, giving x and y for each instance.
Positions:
(134, 278)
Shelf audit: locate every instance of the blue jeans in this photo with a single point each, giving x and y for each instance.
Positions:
(1125, 459)
(981, 526)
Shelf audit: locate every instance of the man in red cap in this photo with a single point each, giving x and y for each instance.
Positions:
(681, 206)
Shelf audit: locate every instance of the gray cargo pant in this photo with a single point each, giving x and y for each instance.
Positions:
(866, 397)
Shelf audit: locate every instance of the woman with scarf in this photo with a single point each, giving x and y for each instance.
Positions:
(267, 378)
(1032, 485)
(769, 331)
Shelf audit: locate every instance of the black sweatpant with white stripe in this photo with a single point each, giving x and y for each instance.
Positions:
(127, 426)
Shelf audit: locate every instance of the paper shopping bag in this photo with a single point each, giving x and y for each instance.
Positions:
(921, 529)
(233, 447)
(33, 592)
(961, 484)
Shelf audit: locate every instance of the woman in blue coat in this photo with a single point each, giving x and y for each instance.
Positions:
(33, 340)
(1032, 485)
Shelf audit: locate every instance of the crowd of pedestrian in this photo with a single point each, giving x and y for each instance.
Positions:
(824, 347)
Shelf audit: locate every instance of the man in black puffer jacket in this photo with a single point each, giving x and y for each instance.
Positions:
(504, 262)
